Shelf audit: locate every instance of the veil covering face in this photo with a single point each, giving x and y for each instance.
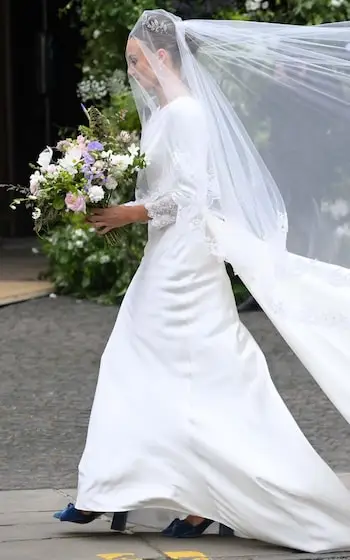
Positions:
(258, 164)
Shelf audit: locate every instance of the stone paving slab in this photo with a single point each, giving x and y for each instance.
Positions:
(28, 532)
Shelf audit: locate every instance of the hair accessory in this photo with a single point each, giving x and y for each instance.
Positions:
(153, 24)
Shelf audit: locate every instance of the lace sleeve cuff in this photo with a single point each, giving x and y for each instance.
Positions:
(162, 212)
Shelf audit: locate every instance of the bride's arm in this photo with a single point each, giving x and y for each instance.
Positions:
(106, 219)
(185, 142)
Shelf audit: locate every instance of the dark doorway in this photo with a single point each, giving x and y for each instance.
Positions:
(40, 75)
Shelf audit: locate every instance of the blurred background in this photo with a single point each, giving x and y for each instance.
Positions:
(56, 54)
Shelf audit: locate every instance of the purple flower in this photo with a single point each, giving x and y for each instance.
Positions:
(88, 158)
(95, 146)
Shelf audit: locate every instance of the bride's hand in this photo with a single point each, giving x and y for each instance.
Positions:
(106, 219)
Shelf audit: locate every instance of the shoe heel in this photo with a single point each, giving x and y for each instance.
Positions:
(119, 521)
(225, 531)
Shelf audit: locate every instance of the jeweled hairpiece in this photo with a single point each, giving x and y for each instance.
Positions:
(154, 25)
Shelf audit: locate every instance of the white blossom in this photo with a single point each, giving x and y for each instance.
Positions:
(106, 155)
(36, 213)
(111, 183)
(104, 259)
(133, 150)
(336, 3)
(125, 136)
(70, 160)
(96, 193)
(120, 162)
(44, 158)
(35, 181)
(98, 165)
(90, 88)
(252, 5)
(53, 171)
(96, 33)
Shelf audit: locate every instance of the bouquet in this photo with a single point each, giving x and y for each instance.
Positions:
(80, 173)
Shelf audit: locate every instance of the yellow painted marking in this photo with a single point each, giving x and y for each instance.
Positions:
(173, 554)
(179, 554)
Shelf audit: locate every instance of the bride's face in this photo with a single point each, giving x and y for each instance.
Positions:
(139, 67)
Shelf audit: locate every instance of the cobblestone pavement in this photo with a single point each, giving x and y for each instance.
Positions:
(49, 357)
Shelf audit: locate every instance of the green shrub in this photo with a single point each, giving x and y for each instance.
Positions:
(80, 263)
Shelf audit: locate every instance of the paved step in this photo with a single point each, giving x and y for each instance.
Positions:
(16, 291)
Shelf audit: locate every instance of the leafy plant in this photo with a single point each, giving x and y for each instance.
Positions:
(81, 264)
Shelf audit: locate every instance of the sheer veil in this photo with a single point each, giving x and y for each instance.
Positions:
(272, 167)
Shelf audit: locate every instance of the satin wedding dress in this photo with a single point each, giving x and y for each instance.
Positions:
(185, 415)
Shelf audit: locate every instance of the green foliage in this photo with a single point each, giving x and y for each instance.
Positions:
(105, 28)
(123, 104)
(81, 264)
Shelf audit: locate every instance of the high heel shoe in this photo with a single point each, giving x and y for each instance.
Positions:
(73, 515)
(183, 529)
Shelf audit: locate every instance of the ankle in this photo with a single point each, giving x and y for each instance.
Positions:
(194, 520)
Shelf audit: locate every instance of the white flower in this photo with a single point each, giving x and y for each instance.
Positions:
(134, 150)
(35, 181)
(106, 155)
(111, 183)
(124, 136)
(264, 5)
(121, 163)
(96, 33)
(70, 160)
(79, 243)
(105, 259)
(44, 158)
(13, 206)
(96, 193)
(91, 230)
(252, 5)
(53, 171)
(36, 213)
(336, 3)
(99, 164)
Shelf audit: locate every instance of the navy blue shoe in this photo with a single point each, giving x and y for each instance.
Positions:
(75, 516)
(168, 531)
(183, 529)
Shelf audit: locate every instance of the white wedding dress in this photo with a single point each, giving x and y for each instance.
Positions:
(185, 415)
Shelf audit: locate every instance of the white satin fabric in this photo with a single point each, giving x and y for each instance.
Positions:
(186, 416)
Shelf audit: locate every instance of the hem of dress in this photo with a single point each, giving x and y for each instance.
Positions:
(126, 499)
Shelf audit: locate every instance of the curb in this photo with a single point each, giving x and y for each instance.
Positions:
(16, 292)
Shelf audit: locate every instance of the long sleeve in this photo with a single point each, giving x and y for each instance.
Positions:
(184, 170)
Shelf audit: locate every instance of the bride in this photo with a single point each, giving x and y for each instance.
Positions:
(185, 415)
